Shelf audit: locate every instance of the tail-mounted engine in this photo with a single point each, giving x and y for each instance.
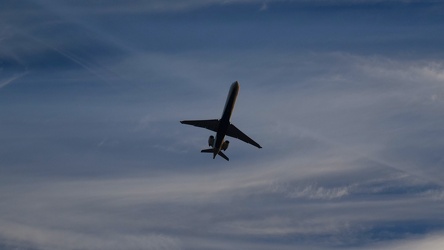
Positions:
(211, 141)
(225, 145)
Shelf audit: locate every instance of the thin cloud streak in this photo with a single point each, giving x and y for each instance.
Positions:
(10, 80)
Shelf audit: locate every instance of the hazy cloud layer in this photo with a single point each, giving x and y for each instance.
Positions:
(92, 155)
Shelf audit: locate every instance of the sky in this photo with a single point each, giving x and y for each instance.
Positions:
(346, 97)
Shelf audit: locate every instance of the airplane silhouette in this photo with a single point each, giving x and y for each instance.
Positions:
(223, 127)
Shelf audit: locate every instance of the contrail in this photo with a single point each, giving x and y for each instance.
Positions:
(12, 79)
(70, 57)
(65, 54)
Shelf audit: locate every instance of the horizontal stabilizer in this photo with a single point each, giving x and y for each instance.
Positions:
(211, 150)
(223, 155)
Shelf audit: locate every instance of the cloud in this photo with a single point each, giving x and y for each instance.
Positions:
(19, 235)
(432, 242)
(352, 146)
(314, 192)
(8, 81)
(319, 202)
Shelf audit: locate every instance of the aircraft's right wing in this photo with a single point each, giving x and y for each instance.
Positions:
(208, 124)
(236, 133)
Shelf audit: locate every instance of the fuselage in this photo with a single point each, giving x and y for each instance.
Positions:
(224, 121)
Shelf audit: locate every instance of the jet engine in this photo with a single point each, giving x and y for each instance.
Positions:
(225, 145)
(211, 141)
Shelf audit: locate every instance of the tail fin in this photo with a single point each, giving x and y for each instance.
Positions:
(211, 150)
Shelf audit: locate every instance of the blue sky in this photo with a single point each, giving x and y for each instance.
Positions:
(346, 98)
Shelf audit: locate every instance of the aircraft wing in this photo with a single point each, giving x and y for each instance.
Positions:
(236, 133)
(208, 124)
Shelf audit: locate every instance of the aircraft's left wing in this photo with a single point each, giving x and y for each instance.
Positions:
(236, 133)
(208, 124)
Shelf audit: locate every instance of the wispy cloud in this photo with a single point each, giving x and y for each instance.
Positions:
(352, 148)
(23, 235)
(172, 209)
(432, 242)
(10, 80)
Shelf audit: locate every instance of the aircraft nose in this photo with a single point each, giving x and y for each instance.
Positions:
(235, 85)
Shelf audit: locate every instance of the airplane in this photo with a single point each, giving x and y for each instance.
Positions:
(223, 127)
